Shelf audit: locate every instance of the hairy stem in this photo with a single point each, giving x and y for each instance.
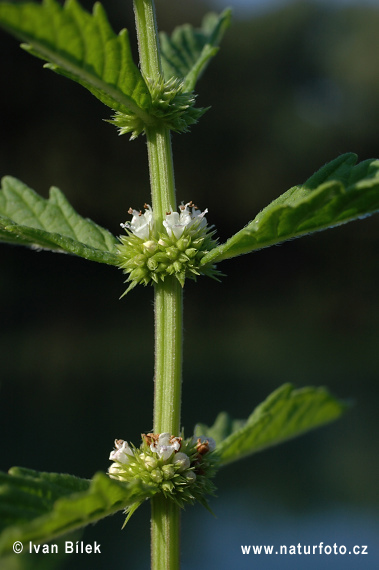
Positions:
(148, 41)
(161, 168)
(165, 517)
(165, 529)
(168, 356)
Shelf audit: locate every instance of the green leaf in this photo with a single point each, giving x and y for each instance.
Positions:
(339, 192)
(28, 219)
(40, 506)
(187, 52)
(285, 414)
(83, 47)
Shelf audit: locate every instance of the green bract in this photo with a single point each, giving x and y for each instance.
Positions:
(172, 108)
(179, 469)
(149, 257)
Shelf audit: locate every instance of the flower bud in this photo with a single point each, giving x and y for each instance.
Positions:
(183, 243)
(181, 461)
(150, 462)
(156, 475)
(150, 246)
(168, 486)
(168, 471)
(191, 252)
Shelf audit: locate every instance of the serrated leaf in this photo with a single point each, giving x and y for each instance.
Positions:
(40, 506)
(339, 192)
(285, 414)
(28, 219)
(187, 52)
(83, 47)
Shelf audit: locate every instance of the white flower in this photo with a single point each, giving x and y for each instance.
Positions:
(122, 452)
(166, 445)
(182, 461)
(150, 462)
(115, 470)
(189, 216)
(141, 224)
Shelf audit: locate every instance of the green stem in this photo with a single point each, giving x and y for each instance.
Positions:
(165, 517)
(148, 41)
(165, 529)
(161, 168)
(168, 356)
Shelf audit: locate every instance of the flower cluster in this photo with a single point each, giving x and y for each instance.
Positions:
(148, 256)
(180, 469)
(170, 107)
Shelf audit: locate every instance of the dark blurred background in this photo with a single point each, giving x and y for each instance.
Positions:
(293, 86)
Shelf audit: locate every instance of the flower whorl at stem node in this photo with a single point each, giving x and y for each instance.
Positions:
(179, 469)
(171, 107)
(149, 256)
